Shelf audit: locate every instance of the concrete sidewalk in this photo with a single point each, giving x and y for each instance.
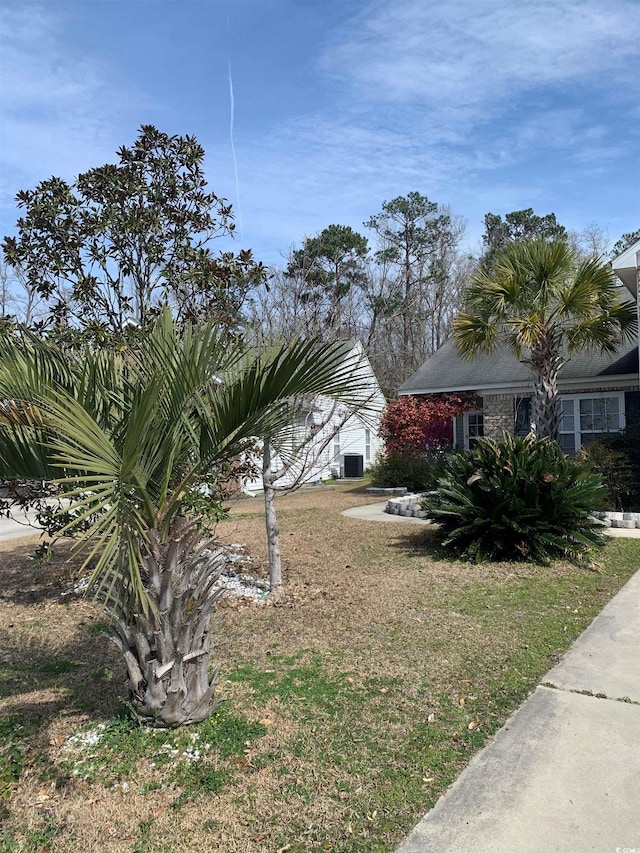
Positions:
(21, 525)
(563, 774)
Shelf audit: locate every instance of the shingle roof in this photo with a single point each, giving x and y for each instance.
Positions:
(446, 370)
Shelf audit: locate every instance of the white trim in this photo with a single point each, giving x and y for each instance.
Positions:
(626, 266)
(591, 382)
(629, 257)
(465, 426)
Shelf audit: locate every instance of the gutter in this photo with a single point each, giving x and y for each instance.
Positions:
(591, 381)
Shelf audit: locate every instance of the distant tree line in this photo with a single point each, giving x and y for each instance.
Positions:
(397, 294)
(97, 260)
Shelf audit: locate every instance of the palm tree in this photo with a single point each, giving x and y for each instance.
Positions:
(545, 304)
(136, 435)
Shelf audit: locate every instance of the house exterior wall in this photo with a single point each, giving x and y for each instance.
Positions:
(323, 456)
(499, 410)
(499, 414)
(352, 442)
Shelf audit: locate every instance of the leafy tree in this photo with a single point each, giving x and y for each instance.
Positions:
(136, 434)
(415, 432)
(125, 238)
(516, 226)
(624, 242)
(327, 268)
(6, 296)
(417, 246)
(544, 303)
(399, 302)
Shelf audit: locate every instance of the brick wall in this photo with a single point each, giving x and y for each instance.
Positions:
(498, 414)
(596, 391)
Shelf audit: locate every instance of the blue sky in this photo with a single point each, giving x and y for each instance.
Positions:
(339, 105)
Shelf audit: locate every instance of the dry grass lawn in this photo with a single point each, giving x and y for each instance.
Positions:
(352, 703)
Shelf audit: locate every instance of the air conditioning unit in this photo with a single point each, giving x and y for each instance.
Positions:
(353, 466)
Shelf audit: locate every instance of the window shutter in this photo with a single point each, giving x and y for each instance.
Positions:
(632, 408)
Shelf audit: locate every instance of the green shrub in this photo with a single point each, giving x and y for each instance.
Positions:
(616, 457)
(418, 472)
(517, 499)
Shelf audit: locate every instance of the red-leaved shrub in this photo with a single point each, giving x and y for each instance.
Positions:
(411, 424)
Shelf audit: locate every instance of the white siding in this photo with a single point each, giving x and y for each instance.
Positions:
(327, 450)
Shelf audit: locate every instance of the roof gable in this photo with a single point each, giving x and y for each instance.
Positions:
(625, 266)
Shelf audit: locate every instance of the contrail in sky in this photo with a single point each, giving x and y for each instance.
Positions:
(233, 152)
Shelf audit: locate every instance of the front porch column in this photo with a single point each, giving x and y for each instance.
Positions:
(499, 414)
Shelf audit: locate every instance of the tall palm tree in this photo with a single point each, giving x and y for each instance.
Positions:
(135, 434)
(545, 304)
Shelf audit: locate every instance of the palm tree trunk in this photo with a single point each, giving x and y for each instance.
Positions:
(273, 540)
(545, 363)
(168, 650)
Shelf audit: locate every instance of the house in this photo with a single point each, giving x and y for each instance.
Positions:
(598, 392)
(329, 440)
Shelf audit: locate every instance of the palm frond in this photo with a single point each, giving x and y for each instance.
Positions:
(132, 433)
(474, 334)
(537, 292)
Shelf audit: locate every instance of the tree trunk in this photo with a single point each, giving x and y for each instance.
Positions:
(273, 540)
(406, 321)
(545, 363)
(168, 651)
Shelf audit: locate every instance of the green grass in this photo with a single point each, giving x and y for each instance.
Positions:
(37, 839)
(354, 737)
(12, 735)
(390, 763)
(99, 628)
(58, 667)
(113, 750)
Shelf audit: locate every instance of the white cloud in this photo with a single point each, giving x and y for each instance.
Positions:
(472, 53)
(59, 109)
(300, 178)
(461, 100)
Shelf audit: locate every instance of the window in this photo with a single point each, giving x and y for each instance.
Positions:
(474, 428)
(336, 467)
(336, 447)
(523, 416)
(584, 418)
(467, 429)
(567, 436)
(367, 445)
